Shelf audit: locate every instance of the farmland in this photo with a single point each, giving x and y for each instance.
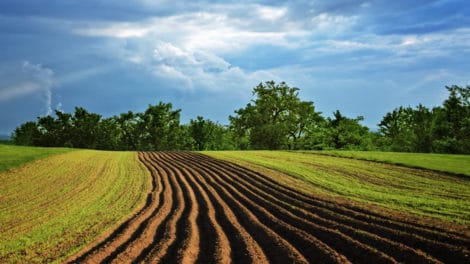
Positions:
(458, 164)
(206, 210)
(86, 206)
(53, 206)
(417, 191)
(15, 156)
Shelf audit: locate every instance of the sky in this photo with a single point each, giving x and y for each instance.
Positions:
(364, 58)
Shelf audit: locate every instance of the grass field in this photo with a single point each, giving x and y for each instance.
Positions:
(15, 156)
(458, 164)
(417, 191)
(52, 207)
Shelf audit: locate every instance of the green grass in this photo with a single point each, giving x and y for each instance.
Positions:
(457, 164)
(53, 207)
(16, 156)
(416, 191)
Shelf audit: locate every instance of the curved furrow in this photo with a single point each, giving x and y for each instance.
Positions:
(202, 176)
(297, 228)
(135, 249)
(336, 235)
(309, 221)
(431, 233)
(203, 210)
(185, 248)
(164, 229)
(437, 249)
(214, 244)
(129, 230)
(281, 240)
(244, 247)
(436, 245)
(274, 246)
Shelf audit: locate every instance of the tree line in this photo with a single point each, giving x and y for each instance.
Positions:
(275, 119)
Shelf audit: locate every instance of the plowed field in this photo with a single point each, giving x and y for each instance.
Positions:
(209, 211)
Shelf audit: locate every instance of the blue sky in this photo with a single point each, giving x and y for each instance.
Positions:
(361, 57)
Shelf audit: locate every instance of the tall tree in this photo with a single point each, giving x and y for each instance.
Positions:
(85, 128)
(202, 131)
(346, 133)
(272, 117)
(397, 128)
(26, 134)
(162, 126)
(451, 124)
(129, 134)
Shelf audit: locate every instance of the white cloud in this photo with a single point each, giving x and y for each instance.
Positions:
(189, 48)
(25, 79)
(332, 24)
(116, 30)
(271, 13)
(219, 31)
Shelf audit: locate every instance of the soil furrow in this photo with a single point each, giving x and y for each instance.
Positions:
(431, 232)
(185, 248)
(334, 235)
(214, 244)
(163, 231)
(203, 210)
(457, 251)
(286, 221)
(244, 247)
(285, 234)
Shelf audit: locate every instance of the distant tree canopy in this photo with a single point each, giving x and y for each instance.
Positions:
(443, 129)
(276, 118)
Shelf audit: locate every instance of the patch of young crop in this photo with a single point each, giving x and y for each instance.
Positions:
(16, 156)
(419, 191)
(55, 206)
(451, 163)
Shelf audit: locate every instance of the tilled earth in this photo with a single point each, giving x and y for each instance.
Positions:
(209, 211)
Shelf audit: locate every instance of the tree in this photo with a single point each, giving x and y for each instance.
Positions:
(161, 125)
(346, 133)
(85, 128)
(202, 131)
(65, 129)
(49, 132)
(422, 125)
(451, 123)
(273, 117)
(301, 121)
(26, 134)
(128, 133)
(108, 134)
(397, 128)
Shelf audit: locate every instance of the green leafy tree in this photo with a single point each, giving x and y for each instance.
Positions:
(397, 128)
(128, 132)
(26, 134)
(275, 116)
(161, 126)
(451, 124)
(65, 129)
(203, 131)
(49, 132)
(346, 133)
(108, 134)
(85, 128)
